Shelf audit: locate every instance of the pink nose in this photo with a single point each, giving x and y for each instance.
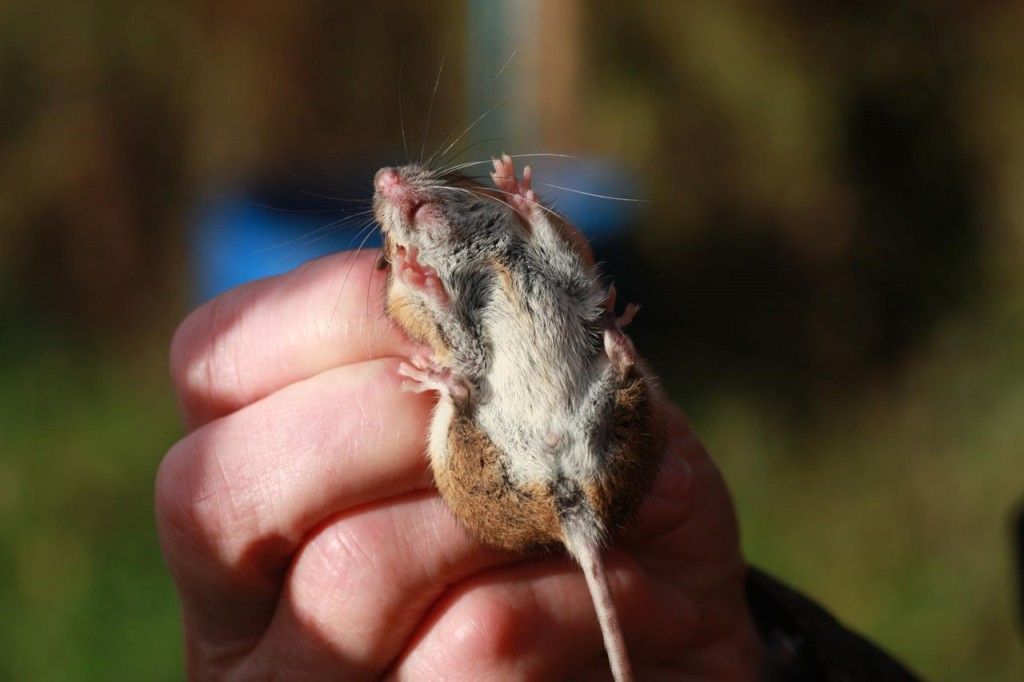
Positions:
(385, 179)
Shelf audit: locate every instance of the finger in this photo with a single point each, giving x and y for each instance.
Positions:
(668, 504)
(672, 497)
(537, 621)
(693, 543)
(236, 497)
(360, 586)
(701, 527)
(250, 341)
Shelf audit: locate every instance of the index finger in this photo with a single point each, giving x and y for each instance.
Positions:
(255, 339)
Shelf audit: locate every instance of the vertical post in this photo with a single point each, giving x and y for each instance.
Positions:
(541, 82)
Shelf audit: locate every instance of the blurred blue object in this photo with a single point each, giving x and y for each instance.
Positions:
(597, 196)
(269, 228)
(238, 238)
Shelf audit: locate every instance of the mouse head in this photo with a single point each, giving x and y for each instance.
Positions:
(446, 215)
(441, 215)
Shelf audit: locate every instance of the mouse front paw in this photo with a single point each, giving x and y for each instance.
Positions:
(627, 315)
(426, 375)
(418, 276)
(518, 193)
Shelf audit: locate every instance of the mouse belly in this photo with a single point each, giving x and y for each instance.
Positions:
(471, 474)
(474, 483)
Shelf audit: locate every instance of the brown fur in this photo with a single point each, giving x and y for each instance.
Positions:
(505, 281)
(473, 474)
(476, 488)
(573, 238)
(417, 324)
(633, 457)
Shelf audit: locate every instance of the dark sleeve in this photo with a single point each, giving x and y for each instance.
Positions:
(803, 643)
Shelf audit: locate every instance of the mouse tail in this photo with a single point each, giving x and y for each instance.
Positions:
(583, 538)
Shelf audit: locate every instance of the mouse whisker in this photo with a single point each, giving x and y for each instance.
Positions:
(486, 195)
(433, 98)
(350, 257)
(329, 197)
(401, 113)
(367, 231)
(468, 129)
(590, 194)
(545, 155)
(442, 154)
(369, 284)
(451, 169)
(488, 161)
(308, 238)
(441, 172)
(326, 186)
(550, 211)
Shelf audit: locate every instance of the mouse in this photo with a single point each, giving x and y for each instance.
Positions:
(546, 433)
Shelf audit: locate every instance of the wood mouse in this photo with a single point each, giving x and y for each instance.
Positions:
(546, 431)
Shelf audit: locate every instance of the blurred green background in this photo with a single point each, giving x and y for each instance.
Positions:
(830, 263)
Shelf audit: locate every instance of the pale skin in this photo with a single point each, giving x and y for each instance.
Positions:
(301, 527)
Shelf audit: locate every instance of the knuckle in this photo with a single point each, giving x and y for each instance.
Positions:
(203, 367)
(173, 507)
(196, 509)
(489, 627)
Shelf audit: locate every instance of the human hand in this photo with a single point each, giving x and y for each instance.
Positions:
(301, 526)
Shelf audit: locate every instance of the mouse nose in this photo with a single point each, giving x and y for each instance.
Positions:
(385, 179)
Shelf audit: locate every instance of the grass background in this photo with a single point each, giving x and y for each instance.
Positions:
(830, 265)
